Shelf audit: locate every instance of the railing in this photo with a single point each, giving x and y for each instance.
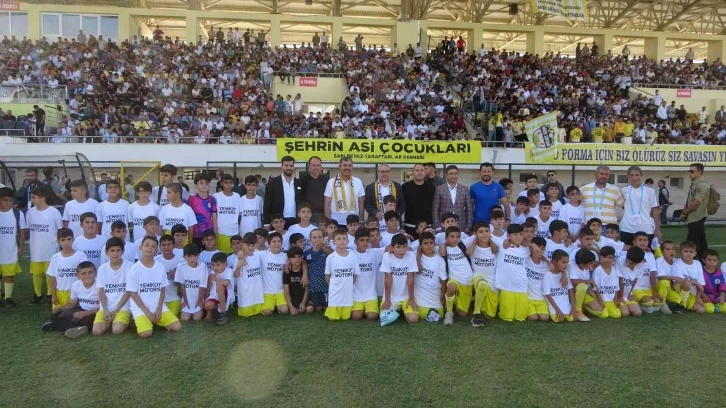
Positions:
(310, 74)
(33, 94)
(677, 86)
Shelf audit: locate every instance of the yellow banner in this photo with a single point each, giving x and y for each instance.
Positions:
(381, 151)
(629, 155)
(573, 10)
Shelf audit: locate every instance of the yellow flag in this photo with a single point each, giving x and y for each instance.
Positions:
(542, 134)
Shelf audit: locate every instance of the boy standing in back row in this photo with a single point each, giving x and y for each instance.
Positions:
(79, 205)
(12, 238)
(112, 209)
(44, 222)
(167, 173)
(228, 213)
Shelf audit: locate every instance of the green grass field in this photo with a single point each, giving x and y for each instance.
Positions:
(306, 361)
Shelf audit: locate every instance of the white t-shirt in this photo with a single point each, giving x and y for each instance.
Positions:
(205, 257)
(228, 211)
(524, 194)
(43, 226)
(638, 204)
(511, 270)
(666, 269)
(644, 277)
(87, 297)
(164, 199)
(172, 291)
(273, 266)
(147, 283)
(629, 276)
(552, 286)
(553, 246)
(107, 213)
(251, 211)
(192, 278)
(440, 238)
(305, 231)
(131, 252)
(499, 241)
(608, 284)
(228, 274)
(63, 269)
(484, 264)
(535, 274)
(137, 213)
(72, 213)
(459, 267)
(9, 236)
(574, 217)
(93, 248)
(169, 216)
(692, 272)
(113, 283)
(556, 207)
(365, 284)
(337, 211)
(427, 283)
(543, 227)
(399, 268)
(249, 283)
(341, 270)
(574, 271)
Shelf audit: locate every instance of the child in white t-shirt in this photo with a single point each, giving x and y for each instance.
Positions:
(169, 260)
(544, 219)
(79, 204)
(13, 230)
(90, 243)
(459, 287)
(191, 276)
(399, 268)
(557, 289)
(600, 300)
(692, 271)
(537, 267)
(630, 267)
(209, 248)
(44, 223)
(248, 278)
(341, 270)
(430, 282)
(365, 299)
(304, 227)
(112, 209)
(449, 220)
(177, 212)
(111, 283)
(62, 269)
(573, 213)
(557, 240)
(220, 290)
(483, 254)
(250, 207)
(75, 318)
(511, 278)
(580, 274)
(141, 209)
(228, 214)
(273, 266)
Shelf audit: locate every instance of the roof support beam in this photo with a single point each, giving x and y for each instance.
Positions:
(623, 12)
(685, 8)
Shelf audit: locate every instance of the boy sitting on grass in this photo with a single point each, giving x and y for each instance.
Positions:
(75, 318)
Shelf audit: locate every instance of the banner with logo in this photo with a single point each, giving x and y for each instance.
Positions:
(593, 154)
(304, 81)
(542, 134)
(381, 151)
(572, 10)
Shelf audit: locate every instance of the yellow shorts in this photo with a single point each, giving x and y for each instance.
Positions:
(568, 318)
(174, 307)
(639, 294)
(144, 324)
(491, 298)
(423, 313)
(39, 268)
(463, 295)
(123, 316)
(691, 301)
(629, 302)
(369, 306)
(248, 311)
(272, 301)
(10, 269)
(513, 306)
(610, 310)
(223, 244)
(668, 292)
(63, 296)
(537, 307)
(402, 307)
(711, 308)
(338, 312)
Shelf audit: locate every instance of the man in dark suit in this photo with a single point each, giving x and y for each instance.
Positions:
(313, 184)
(282, 195)
(452, 197)
(376, 191)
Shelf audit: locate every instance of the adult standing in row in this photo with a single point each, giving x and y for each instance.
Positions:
(487, 194)
(382, 187)
(344, 194)
(601, 199)
(664, 200)
(642, 212)
(313, 185)
(22, 197)
(283, 194)
(452, 197)
(696, 209)
(552, 178)
(419, 194)
(431, 175)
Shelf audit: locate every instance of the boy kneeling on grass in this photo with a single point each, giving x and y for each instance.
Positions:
(75, 318)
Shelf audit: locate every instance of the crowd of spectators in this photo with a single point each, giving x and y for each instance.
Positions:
(217, 91)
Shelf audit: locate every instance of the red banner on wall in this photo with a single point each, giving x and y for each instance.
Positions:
(683, 93)
(9, 6)
(308, 81)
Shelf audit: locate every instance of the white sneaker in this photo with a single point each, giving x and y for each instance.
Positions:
(449, 318)
(582, 318)
(76, 332)
(665, 309)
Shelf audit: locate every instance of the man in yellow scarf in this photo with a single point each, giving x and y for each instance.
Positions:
(376, 191)
(344, 194)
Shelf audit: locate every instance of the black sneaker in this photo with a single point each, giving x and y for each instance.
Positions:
(36, 300)
(221, 320)
(678, 309)
(47, 326)
(49, 300)
(477, 320)
(9, 303)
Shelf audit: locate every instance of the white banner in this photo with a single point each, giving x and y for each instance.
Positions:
(573, 10)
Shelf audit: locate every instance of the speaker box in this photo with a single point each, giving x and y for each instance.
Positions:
(513, 9)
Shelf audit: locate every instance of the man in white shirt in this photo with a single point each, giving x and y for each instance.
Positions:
(344, 194)
(378, 190)
(641, 212)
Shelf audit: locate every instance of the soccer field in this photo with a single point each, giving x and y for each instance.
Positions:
(306, 361)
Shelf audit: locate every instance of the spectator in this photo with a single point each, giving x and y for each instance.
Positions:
(694, 212)
(664, 200)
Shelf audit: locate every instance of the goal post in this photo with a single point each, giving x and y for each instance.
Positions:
(134, 172)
